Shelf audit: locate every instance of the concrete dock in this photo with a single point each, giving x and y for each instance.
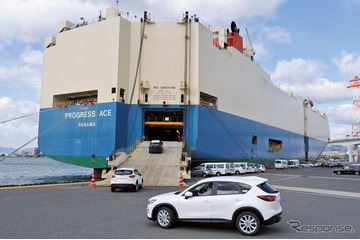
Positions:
(78, 211)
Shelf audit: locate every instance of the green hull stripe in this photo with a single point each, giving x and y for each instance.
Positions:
(83, 161)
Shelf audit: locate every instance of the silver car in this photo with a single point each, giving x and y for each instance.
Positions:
(201, 172)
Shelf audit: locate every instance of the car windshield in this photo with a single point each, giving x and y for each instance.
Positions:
(123, 172)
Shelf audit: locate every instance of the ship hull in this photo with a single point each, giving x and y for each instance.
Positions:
(227, 137)
(87, 135)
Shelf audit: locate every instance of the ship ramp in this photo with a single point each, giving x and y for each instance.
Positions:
(157, 169)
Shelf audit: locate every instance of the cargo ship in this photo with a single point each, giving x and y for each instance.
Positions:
(114, 81)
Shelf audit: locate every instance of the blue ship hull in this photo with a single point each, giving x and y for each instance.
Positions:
(87, 135)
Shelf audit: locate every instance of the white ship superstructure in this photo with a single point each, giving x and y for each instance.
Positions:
(116, 81)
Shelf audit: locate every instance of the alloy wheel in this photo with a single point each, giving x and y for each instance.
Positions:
(163, 218)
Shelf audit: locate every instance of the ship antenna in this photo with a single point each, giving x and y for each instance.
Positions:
(100, 16)
(117, 5)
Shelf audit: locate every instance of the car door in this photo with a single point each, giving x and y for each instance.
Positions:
(199, 205)
(195, 171)
(228, 196)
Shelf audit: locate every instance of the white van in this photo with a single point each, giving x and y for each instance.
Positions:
(281, 164)
(293, 163)
(238, 168)
(218, 168)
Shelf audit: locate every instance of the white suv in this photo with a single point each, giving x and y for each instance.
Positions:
(249, 202)
(126, 178)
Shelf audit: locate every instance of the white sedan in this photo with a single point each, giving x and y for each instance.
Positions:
(307, 164)
(126, 178)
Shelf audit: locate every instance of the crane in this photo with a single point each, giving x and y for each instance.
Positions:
(250, 52)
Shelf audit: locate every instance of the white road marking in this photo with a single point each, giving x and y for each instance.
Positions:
(336, 178)
(316, 191)
(296, 176)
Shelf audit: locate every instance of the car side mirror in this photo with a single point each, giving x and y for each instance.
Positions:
(188, 195)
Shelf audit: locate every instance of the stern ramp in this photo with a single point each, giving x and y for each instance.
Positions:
(157, 169)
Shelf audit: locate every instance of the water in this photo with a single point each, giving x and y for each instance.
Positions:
(24, 171)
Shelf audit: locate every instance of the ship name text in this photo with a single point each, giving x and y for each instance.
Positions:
(88, 114)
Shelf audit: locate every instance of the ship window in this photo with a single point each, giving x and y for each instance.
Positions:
(122, 95)
(275, 145)
(254, 139)
(146, 97)
(208, 100)
(182, 98)
(113, 90)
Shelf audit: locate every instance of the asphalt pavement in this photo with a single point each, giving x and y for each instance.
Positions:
(78, 211)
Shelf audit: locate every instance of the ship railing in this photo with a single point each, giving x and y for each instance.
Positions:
(154, 19)
(151, 19)
(88, 22)
(74, 103)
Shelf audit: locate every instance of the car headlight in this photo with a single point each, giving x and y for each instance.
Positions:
(151, 201)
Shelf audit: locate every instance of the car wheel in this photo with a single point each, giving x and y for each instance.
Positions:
(204, 175)
(165, 217)
(141, 186)
(136, 188)
(356, 173)
(237, 172)
(338, 173)
(248, 223)
(218, 174)
(112, 189)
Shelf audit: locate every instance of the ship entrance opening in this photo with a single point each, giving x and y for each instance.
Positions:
(163, 125)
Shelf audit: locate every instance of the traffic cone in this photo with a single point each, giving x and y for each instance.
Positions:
(92, 184)
(181, 181)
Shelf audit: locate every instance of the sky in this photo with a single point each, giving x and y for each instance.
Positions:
(309, 47)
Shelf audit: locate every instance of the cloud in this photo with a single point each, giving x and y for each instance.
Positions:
(277, 34)
(25, 75)
(32, 20)
(339, 131)
(32, 57)
(340, 114)
(322, 90)
(303, 77)
(18, 132)
(260, 51)
(210, 10)
(348, 64)
(296, 71)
